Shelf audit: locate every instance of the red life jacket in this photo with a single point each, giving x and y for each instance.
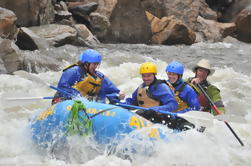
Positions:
(203, 101)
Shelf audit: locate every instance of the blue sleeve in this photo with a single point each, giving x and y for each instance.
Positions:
(68, 79)
(133, 99)
(190, 97)
(166, 96)
(107, 87)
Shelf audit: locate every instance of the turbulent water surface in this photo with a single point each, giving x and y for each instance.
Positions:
(216, 146)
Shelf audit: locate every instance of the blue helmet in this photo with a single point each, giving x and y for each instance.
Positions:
(175, 67)
(90, 56)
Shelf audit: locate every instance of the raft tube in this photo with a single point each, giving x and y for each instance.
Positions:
(112, 125)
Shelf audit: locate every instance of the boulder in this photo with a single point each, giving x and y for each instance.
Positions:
(129, 24)
(170, 30)
(57, 35)
(230, 14)
(81, 12)
(100, 24)
(31, 12)
(185, 10)
(61, 12)
(243, 24)
(214, 31)
(27, 40)
(85, 37)
(8, 27)
(10, 57)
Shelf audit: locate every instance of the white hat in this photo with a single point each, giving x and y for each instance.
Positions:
(205, 64)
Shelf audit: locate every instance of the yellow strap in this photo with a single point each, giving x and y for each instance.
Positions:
(70, 66)
(181, 104)
(89, 86)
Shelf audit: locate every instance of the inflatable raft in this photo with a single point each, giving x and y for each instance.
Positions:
(104, 122)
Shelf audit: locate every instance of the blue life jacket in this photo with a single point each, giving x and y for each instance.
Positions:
(159, 91)
(75, 74)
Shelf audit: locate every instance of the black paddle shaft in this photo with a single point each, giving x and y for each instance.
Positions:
(218, 112)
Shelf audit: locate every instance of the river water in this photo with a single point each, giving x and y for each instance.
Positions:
(216, 146)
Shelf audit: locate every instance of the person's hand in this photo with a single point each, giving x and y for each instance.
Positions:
(195, 81)
(121, 95)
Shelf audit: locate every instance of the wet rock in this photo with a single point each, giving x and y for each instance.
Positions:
(27, 40)
(105, 7)
(8, 27)
(81, 12)
(56, 34)
(213, 31)
(230, 39)
(129, 24)
(170, 30)
(243, 24)
(185, 10)
(61, 12)
(85, 9)
(10, 57)
(85, 37)
(31, 12)
(229, 15)
(99, 24)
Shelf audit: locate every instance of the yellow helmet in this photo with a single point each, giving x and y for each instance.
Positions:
(148, 67)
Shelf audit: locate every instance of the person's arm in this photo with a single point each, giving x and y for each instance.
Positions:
(107, 87)
(166, 97)
(214, 93)
(67, 80)
(132, 100)
(191, 98)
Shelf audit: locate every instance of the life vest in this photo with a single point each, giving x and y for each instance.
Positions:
(203, 101)
(89, 86)
(201, 97)
(70, 66)
(181, 104)
(145, 99)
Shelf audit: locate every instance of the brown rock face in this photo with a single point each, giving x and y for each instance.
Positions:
(170, 30)
(10, 58)
(214, 31)
(185, 10)
(128, 24)
(7, 24)
(30, 12)
(243, 24)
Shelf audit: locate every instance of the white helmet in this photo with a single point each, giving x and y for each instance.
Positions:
(205, 64)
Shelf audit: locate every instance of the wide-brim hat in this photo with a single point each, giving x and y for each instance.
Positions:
(205, 64)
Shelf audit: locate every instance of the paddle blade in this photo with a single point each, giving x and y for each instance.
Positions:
(198, 118)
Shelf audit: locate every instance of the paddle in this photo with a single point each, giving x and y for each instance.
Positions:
(218, 112)
(29, 98)
(196, 117)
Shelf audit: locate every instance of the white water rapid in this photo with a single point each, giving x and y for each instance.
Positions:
(217, 146)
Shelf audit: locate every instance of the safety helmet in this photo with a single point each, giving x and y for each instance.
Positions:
(90, 56)
(148, 67)
(205, 64)
(175, 67)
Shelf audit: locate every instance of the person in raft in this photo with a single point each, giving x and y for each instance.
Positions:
(202, 70)
(185, 95)
(82, 79)
(154, 94)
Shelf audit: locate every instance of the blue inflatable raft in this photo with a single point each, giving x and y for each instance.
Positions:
(104, 122)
